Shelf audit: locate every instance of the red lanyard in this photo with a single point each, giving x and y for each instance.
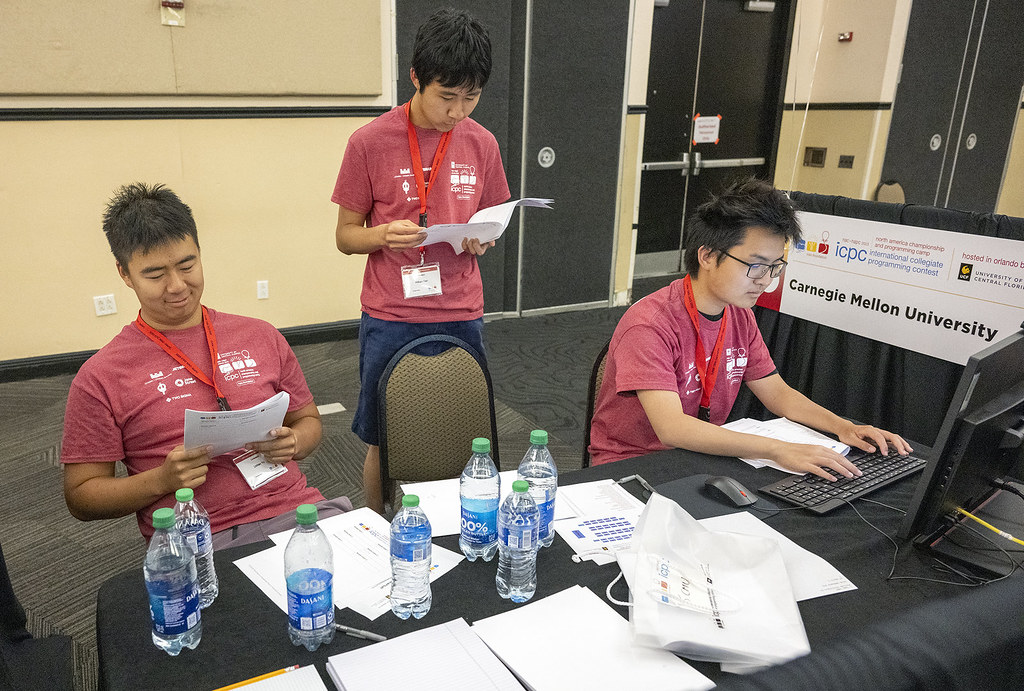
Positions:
(417, 164)
(706, 369)
(182, 359)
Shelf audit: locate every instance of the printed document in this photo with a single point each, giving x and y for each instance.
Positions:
(784, 430)
(361, 541)
(485, 225)
(226, 430)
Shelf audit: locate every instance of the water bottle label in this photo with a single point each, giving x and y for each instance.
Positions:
(310, 600)
(518, 536)
(410, 551)
(175, 610)
(480, 527)
(547, 513)
(199, 541)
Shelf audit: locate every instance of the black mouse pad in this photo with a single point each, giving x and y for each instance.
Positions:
(690, 493)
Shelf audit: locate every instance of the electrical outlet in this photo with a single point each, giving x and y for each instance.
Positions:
(104, 304)
(262, 290)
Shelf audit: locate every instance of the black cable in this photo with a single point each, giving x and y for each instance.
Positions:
(973, 581)
(999, 483)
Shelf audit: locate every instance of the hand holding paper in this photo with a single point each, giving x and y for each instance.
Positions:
(486, 225)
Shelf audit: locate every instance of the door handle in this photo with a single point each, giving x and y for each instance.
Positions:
(683, 164)
(696, 163)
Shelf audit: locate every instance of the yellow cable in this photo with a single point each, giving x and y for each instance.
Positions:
(990, 526)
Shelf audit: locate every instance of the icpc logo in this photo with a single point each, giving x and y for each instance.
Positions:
(965, 272)
(814, 247)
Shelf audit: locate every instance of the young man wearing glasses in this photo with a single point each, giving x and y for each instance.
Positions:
(678, 356)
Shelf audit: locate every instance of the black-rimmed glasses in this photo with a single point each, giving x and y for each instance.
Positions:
(756, 271)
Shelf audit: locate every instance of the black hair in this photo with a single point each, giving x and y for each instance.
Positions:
(722, 222)
(140, 217)
(452, 49)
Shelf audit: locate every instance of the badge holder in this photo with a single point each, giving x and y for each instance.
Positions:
(421, 280)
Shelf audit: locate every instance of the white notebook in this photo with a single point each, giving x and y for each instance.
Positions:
(447, 656)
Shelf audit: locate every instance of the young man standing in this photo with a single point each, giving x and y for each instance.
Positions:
(422, 163)
(127, 403)
(678, 356)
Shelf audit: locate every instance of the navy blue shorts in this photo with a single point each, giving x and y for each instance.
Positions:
(379, 340)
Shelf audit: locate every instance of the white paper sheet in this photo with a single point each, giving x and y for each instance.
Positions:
(485, 225)
(785, 430)
(447, 656)
(362, 565)
(598, 538)
(226, 430)
(576, 641)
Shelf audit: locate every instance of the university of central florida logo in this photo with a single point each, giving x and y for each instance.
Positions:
(965, 272)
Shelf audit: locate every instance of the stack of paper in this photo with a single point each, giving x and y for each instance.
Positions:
(448, 656)
(784, 430)
(573, 640)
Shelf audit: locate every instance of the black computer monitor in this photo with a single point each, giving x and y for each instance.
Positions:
(979, 442)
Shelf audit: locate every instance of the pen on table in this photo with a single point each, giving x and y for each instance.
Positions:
(359, 633)
(261, 677)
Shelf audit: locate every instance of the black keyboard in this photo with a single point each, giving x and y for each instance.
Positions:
(821, 496)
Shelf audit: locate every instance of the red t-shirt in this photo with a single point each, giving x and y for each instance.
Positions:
(376, 178)
(653, 348)
(128, 402)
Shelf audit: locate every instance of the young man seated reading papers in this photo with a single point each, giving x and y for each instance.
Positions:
(127, 403)
(678, 356)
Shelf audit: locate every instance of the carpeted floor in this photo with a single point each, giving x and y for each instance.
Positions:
(540, 366)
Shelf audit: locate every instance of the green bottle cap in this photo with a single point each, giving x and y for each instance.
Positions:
(184, 494)
(410, 500)
(520, 486)
(481, 445)
(163, 518)
(539, 436)
(306, 514)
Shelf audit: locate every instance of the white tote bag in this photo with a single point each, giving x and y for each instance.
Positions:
(711, 596)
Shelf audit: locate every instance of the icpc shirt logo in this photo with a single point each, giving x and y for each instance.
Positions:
(965, 272)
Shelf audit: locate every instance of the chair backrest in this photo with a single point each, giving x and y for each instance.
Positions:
(596, 377)
(890, 191)
(434, 397)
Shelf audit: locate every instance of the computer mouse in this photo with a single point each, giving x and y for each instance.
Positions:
(729, 490)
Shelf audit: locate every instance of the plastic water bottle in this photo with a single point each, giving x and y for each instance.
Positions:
(479, 492)
(410, 560)
(538, 469)
(309, 578)
(170, 572)
(517, 545)
(193, 522)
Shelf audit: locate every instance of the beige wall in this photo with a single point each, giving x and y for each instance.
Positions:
(1011, 196)
(260, 191)
(823, 70)
(860, 133)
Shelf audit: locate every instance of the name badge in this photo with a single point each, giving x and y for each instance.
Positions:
(421, 280)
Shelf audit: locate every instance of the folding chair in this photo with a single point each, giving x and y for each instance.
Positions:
(434, 397)
(596, 377)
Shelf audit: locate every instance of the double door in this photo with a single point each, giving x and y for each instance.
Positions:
(714, 102)
(956, 103)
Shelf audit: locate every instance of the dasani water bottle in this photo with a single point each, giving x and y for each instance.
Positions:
(479, 492)
(193, 522)
(517, 545)
(173, 587)
(410, 560)
(309, 578)
(538, 469)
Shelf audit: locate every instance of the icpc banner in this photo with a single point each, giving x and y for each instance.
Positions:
(935, 292)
